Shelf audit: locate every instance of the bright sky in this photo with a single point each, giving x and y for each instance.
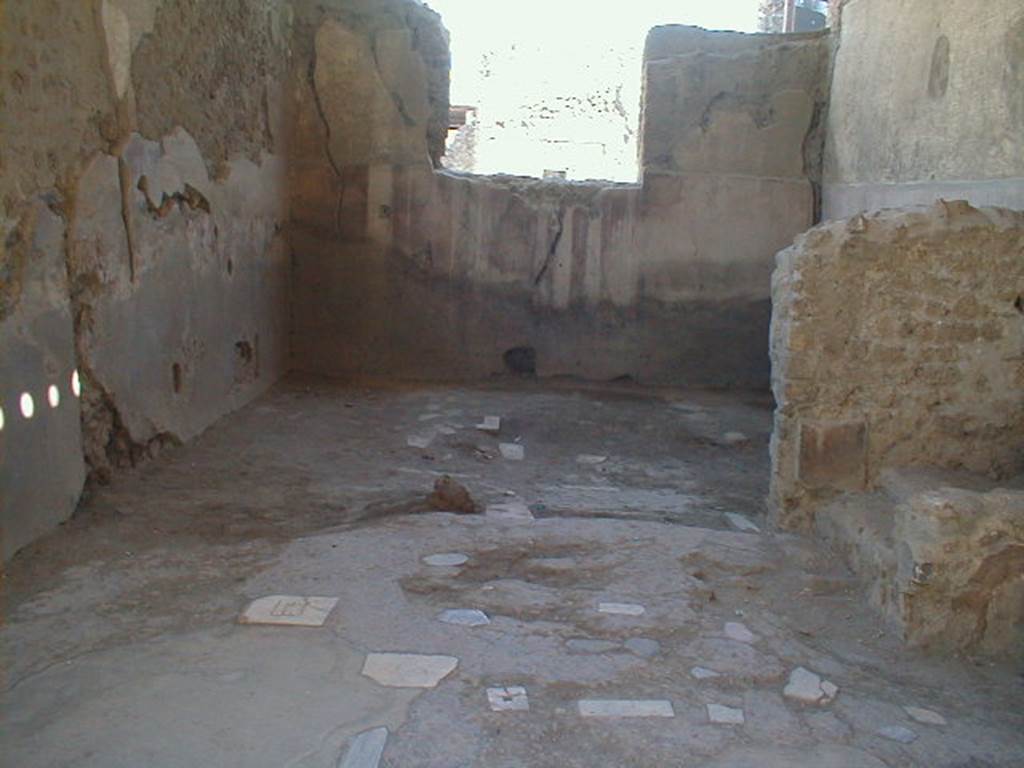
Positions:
(556, 29)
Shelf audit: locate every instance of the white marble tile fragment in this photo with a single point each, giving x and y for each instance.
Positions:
(408, 670)
(734, 630)
(591, 459)
(512, 451)
(625, 708)
(511, 698)
(621, 609)
(925, 716)
(446, 559)
(289, 610)
(898, 733)
(490, 424)
(465, 617)
(366, 749)
(703, 673)
(809, 688)
(721, 715)
(741, 523)
(419, 441)
(510, 510)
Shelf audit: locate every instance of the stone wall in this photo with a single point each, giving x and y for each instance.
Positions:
(141, 234)
(927, 103)
(402, 270)
(896, 341)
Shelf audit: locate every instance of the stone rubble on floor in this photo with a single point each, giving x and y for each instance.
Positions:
(419, 441)
(408, 670)
(510, 698)
(590, 459)
(722, 715)
(366, 749)
(809, 688)
(625, 708)
(289, 610)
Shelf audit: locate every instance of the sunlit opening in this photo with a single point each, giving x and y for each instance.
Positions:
(76, 384)
(28, 405)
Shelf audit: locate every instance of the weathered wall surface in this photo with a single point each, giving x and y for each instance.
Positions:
(402, 270)
(143, 201)
(927, 103)
(897, 341)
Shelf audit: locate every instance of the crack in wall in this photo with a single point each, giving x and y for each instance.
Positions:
(553, 247)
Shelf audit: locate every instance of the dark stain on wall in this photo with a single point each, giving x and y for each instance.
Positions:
(938, 81)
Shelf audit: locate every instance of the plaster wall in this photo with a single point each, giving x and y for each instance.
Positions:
(406, 271)
(927, 103)
(142, 212)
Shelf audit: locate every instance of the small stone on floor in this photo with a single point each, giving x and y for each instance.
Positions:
(741, 523)
(490, 424)
(625, 708)
(721, 715)
(366, 749)
(465, 617)
(898, 733)
(734, 630)
(408, 670)
(621, 609)
(512, 451)
(642, 646)
(591, 459)
(446, 559)
(511, 698)
(807, 687)
(925, 716)
(289, 610)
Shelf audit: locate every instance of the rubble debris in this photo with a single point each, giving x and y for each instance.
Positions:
(809, 688)
(451, 496)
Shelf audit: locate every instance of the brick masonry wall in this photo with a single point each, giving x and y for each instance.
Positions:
(897, 340)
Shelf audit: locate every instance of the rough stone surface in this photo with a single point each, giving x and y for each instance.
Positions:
(942, 556)
(918, 366)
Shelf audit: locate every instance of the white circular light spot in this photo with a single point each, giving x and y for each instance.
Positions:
(76, 384)
(28, 405)
(1, 419)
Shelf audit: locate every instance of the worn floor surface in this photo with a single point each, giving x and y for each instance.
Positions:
(121, 645)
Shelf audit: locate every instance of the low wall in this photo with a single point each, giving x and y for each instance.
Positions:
(896, 341)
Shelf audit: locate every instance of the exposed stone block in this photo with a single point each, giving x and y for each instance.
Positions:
(833, 456)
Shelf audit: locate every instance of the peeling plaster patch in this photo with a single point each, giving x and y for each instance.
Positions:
(118, 33)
